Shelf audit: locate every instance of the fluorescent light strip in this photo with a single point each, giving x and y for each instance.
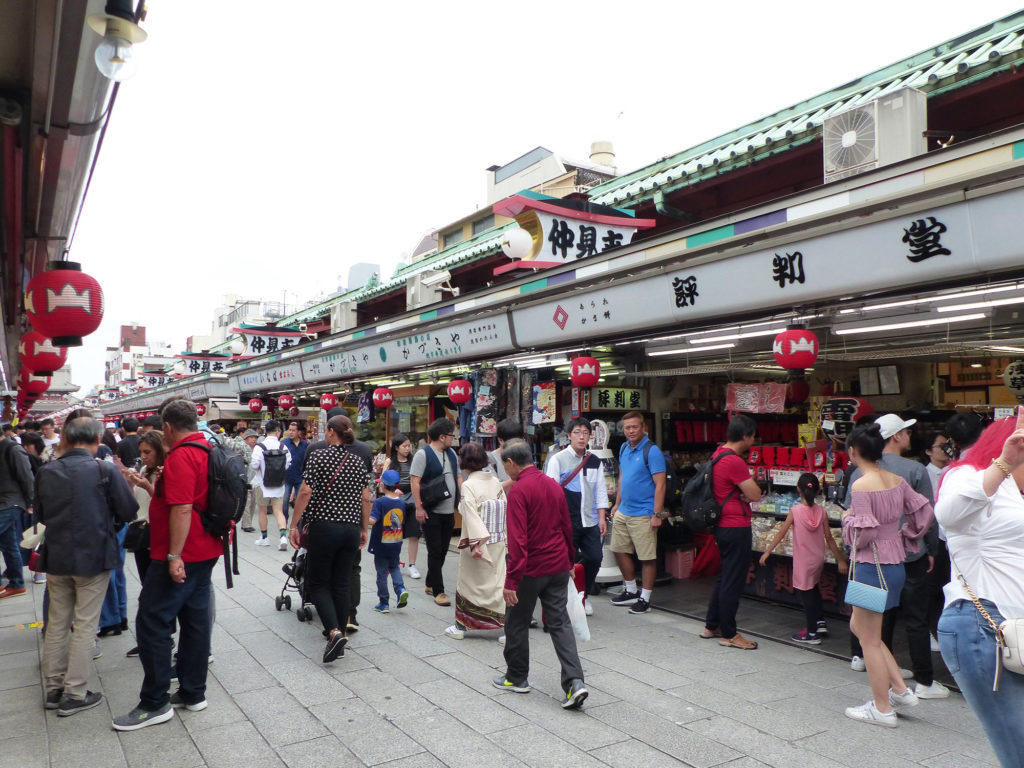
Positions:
(1005, 349)
(947, 297)
(982, 304)
(688, 350)
(737, 336)
(911, 324)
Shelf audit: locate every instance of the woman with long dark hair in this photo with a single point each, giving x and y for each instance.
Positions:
(981, 510)
(871, 527)
(334, 502)
(400, 460)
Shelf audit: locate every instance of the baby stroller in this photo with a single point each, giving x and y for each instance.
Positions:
(295, 581)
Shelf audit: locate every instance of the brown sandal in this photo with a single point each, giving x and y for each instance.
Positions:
(707, 634)
(738, 641)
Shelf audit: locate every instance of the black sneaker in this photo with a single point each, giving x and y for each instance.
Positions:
(133, 653)
(53, 698)
(504, 684)
(177, 702)
(640, 606)
(335, 647)
(626, 598)
(822, 630)
(69, 706)
(575, 696)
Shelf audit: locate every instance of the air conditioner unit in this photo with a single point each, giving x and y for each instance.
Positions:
(938, 392)
(889, 129)
(343, 316)
(419, 292)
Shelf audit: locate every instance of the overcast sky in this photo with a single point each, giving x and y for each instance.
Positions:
(263, 147)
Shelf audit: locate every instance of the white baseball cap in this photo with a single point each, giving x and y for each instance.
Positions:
(890, 424)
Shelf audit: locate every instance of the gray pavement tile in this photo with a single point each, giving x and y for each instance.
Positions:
(234, 745)
(577, 727)
(403, 666)
(159, 746)
(746, 739)
(481, 713)
(278, 716)
(661, 703)
(455, 744)
(24, 751)
(419, 760)
(238, 621)
(664, 735)
(861, 746)
(240, 672)
(367, 734)
(19, 660)
(222, 710)
(384, 693)
(85, 739)
(268, 648)
(316, 753)
(540, 748)
(19, 677)
(643, 670)
(632, 753)
(308, 682)
(952, 760)
(19, 713)
(468, 671)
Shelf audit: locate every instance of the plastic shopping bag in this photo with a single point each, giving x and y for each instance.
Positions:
(577, 615)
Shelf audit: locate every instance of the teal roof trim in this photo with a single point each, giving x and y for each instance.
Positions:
(953, 64)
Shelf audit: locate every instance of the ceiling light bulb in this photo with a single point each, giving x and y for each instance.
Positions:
(115, 58)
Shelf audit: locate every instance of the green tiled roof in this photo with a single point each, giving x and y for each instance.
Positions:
(958, 62)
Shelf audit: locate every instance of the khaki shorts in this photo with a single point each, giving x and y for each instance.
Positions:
(634, 534)
(265, 501)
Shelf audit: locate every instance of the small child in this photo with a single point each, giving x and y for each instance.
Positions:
(385, 545)
(811, 533)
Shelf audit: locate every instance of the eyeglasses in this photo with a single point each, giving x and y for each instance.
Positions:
(448, 434)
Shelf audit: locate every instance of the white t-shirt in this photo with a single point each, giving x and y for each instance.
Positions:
(269, 443)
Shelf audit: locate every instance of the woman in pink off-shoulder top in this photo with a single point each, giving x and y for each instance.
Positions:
(880, 500)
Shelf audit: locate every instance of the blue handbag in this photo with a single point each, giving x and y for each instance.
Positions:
(864, 595)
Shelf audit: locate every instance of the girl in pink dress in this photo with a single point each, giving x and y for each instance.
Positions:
(811, 534)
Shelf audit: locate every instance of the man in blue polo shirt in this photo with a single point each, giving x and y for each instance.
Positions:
(293, 475)
(638, 512)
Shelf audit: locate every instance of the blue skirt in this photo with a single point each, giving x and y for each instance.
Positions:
(895, 576)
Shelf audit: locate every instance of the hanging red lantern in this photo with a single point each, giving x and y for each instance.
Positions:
(797, 391)
(383, 397)
(64, 304)
(255, 405)
(285, 401)
(39, 354)
(32, 384)
(293, 411)
(200, 409)
(796, 348)
(460, 391)
(585, 371)
(328, 400)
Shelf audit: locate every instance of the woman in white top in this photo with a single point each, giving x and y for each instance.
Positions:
(982, 512)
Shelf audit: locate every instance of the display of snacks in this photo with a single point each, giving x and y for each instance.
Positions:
(764, 528)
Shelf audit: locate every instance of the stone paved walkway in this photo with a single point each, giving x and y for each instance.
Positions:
(405, 696)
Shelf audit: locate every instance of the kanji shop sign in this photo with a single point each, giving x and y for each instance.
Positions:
(205, 363)
(271, 376)
(266, 340)
(566, 231)
(149, 380)
(616, 399)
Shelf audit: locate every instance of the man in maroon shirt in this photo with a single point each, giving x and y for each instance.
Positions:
(540, 558)
(181, 588)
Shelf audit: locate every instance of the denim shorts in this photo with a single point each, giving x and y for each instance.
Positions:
(895, 576)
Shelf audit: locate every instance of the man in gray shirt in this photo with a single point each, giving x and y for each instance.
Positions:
(508, 429)
(914, 599)
(434, 460)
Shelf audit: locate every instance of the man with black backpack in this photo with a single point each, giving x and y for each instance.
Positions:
(270, 462)
(734, 489)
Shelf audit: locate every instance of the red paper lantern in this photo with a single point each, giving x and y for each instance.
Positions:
(585, 371)
(32, 384)
(460, 391)
(383, 397)
(64, 304)
(328, 400)
(796, 348)
(797, 391)
(39, 354)
(255, 405)
(200, 409)
(285, 401)
(293, 411)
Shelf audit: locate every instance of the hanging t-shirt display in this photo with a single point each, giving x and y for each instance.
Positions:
(489, 382)
(545, 407)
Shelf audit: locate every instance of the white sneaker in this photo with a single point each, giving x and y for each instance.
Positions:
(868, 713)
(857, 664)
(588, 608)
(934, 691)
(501, 640)
(283, 546)
(38, 578)
(454, 632)
(414, 572)
(905, 699)
(262, 542)
(934, 643)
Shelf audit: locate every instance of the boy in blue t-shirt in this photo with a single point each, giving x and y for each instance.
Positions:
(386, 519)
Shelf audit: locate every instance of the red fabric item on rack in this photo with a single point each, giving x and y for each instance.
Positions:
(708, 560)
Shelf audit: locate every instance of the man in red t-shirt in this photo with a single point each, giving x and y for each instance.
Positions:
(734, 490)
(181, 589)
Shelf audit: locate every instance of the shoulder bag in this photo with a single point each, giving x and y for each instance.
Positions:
(435, 491)
(864, 595)
(1009, 635)
(576, 471)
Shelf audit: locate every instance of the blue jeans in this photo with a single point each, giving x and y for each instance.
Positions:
(968, 648)
(115, 603)
(160, 603)
(388, 565)
(10, 536)
(289, 488)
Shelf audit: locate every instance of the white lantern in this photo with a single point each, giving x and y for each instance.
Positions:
(517, 243)
(237, 345)
(1013, 378)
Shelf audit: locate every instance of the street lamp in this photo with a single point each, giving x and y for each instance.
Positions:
(114, 55)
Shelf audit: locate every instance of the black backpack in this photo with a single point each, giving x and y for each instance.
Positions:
(700, 510)
(225, 502)
(275, 461)
(673, 486)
